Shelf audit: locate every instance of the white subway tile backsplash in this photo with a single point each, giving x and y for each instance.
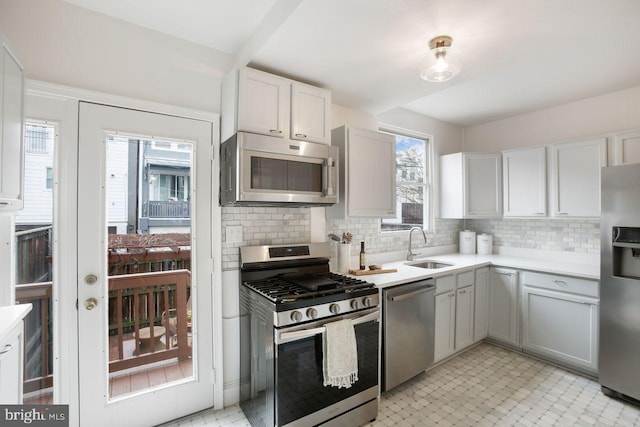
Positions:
(569, 235)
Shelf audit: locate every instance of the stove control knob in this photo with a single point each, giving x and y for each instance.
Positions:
(334, 308)
(312, 313)
(366, 301)
(355, 304)
(296, 316)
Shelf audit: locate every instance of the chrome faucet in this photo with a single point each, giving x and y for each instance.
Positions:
(410, 253)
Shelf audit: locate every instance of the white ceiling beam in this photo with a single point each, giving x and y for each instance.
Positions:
(277, 15)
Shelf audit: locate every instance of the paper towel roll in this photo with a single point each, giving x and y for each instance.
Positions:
(467, 242)
(485, 244)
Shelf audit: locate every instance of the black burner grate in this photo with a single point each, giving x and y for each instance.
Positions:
(278, 289)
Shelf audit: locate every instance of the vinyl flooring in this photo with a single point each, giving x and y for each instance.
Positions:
(485, 386)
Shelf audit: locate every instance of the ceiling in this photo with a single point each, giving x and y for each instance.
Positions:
(518, 55)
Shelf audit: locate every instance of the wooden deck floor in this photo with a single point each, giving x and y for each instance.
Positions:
(137, 379)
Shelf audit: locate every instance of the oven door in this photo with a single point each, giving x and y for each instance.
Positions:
(278, 171)
(301, 398)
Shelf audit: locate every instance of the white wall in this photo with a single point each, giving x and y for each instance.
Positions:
(606, 114)
(64, 44)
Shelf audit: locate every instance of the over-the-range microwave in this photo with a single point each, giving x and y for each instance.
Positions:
(260, 170)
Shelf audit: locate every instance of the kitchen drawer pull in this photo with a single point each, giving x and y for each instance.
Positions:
(7, 348)
(410, 294)
(275, 131)
(301, 135)
(5, 203)
(451, 295)
(539, 213)
(560, 282)
(463, 291)
(562, 213)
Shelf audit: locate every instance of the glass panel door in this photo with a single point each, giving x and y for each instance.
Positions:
(144, 279)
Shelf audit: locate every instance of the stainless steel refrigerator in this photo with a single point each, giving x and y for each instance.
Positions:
(619, 366)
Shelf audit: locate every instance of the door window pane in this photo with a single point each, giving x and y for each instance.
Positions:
(149, 260)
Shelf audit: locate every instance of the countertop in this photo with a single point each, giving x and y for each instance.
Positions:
(407, 273)
(10, 316)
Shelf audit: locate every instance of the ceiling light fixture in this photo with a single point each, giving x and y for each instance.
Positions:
(441, 64)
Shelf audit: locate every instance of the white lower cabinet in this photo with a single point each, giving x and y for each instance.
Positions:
(444, 341)
(481, 306)
(560, 325)
(11, 354)
(464, 317)
(503, 306)
(454, 314)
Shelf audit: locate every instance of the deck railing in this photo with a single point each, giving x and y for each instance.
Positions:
(38, 373)
(150, 295)
(166, 209)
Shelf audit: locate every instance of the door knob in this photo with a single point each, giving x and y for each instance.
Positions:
(90, 303)
(90, 279)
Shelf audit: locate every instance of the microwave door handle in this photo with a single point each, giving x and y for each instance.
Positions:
(327, 166)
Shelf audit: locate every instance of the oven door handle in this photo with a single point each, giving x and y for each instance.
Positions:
(285, 337)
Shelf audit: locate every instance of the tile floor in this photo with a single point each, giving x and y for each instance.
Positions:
(485, 386)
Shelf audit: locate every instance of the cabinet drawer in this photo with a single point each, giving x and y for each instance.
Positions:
(465, 279)
(445, 284)
(554, 282)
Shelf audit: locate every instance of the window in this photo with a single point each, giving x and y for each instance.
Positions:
(49, 179)
(413, 183)
(36, 138)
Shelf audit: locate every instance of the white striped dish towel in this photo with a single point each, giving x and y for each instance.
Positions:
(340, 358)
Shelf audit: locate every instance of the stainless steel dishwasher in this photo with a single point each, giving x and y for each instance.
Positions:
(408, 313)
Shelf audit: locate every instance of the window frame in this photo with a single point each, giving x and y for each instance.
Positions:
(429, 177)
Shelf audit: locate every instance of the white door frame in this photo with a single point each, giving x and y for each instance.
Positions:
(57, 103)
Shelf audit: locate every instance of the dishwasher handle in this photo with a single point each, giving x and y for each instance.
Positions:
(430, 288)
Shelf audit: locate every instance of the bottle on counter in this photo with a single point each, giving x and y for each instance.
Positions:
(363, 262)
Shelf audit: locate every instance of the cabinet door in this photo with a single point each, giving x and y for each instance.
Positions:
(464, 318)
(503, 320)
(525, 184)
(627, 148)
(444, 342)
(481, 308)
(262, 103)
(483, 185)
(576, 177)
(371, 175)
(562, 326)
(310, 113)
(11, 125)
(11, 355)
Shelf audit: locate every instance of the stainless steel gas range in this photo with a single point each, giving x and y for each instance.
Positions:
(287, 295)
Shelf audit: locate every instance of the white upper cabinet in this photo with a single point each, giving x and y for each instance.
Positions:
(367, 174)
(576, 177)
(12, 128)
(524, 174)
(470, 185)
(310, 113)
(627, 148)
(259, 102)
(262, 103)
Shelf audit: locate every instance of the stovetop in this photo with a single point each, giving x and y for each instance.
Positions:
(286, 288)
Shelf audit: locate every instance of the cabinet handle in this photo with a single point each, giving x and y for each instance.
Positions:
(301, 135)
(560, 282)
(562, 213)
(539, 213)
(451, 295)
(7, 348)
(462, 291)
(5, 203)
(275, 131)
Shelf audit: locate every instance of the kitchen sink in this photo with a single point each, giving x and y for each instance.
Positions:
(429, 264)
